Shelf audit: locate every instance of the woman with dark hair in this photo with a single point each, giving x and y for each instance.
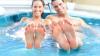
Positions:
(37, 31)
(34, 31)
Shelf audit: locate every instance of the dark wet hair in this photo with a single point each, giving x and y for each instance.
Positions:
(37, 0)
(56, 0)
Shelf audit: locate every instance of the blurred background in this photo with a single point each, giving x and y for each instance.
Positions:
(25, 5)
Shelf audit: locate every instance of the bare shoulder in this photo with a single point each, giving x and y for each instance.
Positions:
(50, 17)
(48, 20)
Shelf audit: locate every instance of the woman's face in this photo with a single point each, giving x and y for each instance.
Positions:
(59, 6)
(37, 8)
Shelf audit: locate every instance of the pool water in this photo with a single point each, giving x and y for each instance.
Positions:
(10, 46)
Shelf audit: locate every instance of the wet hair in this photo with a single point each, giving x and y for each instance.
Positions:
(37, 0)
(56, 0)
